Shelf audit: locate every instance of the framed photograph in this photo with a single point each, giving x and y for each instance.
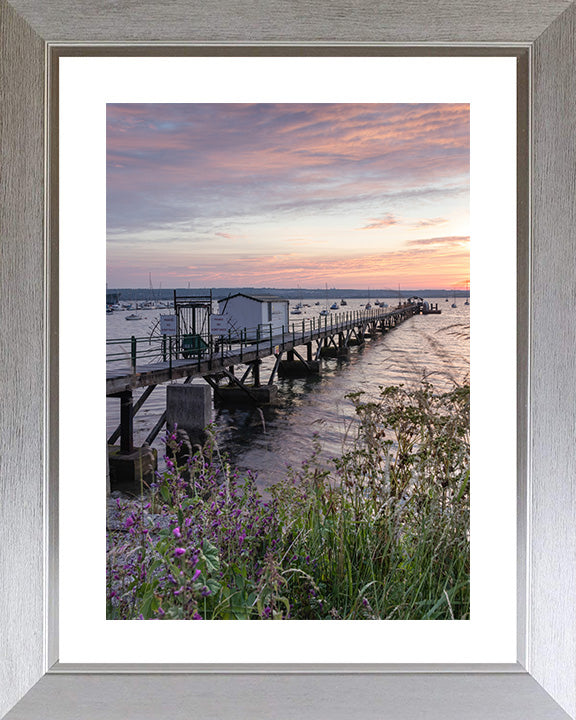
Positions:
(301, 191)
(513, 656)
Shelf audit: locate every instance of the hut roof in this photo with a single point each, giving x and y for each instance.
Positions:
(264, 297)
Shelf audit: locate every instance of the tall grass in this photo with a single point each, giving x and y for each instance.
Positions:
(383, 534)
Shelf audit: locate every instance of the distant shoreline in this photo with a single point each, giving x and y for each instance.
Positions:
(289, 293)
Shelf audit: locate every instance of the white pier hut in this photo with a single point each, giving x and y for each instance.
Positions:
(255, 314)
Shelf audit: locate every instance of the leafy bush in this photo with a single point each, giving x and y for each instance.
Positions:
(383, 534)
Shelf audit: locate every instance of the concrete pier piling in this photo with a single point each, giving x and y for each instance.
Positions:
(189, 407)
(249, 395)
(332, 351)
(296, 368)
(133, 471)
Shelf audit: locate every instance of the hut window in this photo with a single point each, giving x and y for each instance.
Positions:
(269, 312)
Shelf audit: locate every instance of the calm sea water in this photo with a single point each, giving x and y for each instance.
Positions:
(269, 440)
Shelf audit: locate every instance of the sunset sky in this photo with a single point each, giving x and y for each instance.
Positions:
(348, 195)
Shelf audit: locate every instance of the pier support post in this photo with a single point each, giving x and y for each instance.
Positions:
(130, 468)
(358, 338)
(189, 407)
(126, 423)
(108, 487)
(256, 372)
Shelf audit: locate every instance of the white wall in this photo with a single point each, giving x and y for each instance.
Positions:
(279, 315)
(247, 313)
(242, 312)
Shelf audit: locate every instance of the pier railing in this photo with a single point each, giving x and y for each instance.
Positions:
(137, 351)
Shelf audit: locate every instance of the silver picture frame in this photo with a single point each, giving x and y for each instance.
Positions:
(542, 684)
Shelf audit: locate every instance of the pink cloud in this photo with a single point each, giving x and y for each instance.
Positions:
(452, 240)
(384, 222)
(429, 222)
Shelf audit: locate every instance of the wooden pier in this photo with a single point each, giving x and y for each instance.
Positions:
(296, 349)
(338, 331)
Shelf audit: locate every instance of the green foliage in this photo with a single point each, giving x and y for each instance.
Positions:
(382, 534)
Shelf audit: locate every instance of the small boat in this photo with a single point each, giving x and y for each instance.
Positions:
(334, 306)
(377, 303)
(296, 311)
(343, 302)
(109, 309)
(298, 305)
(317, 303)
(325, 312)
(368, 305)
(132, 316)
(383, 304)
